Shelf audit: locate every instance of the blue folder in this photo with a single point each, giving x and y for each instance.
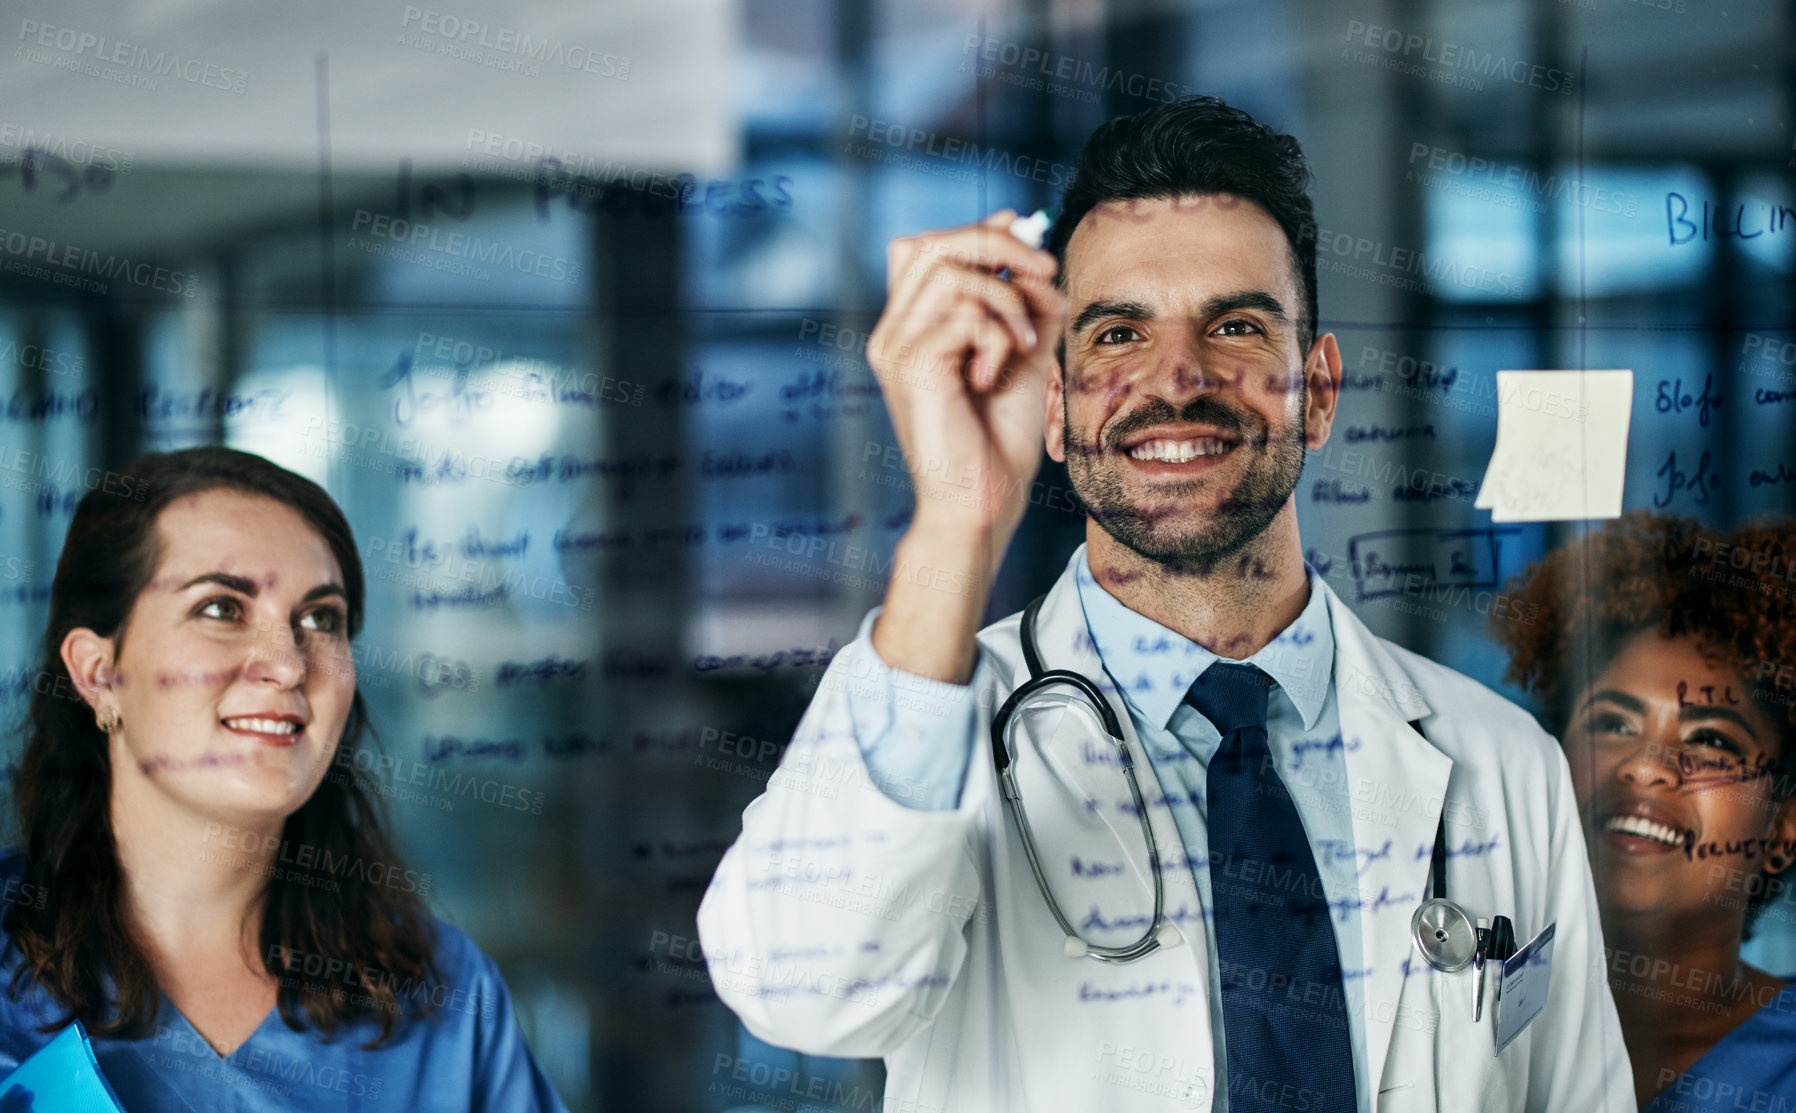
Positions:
(62, 1075)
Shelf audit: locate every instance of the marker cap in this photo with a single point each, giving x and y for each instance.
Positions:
(1031, 229)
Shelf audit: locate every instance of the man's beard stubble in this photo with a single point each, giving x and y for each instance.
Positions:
(1270, 479)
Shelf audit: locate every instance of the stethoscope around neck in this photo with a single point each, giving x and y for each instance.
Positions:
(1160, 932)
(1442, 931)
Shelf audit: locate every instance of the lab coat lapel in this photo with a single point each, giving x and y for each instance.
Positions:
(1397, 783)
(1065, 642)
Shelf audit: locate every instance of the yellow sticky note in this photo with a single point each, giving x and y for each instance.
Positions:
(1562, 446)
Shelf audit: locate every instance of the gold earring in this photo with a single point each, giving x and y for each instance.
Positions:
(107, 719)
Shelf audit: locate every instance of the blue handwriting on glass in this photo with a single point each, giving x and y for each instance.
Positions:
(802, 658)
(656, 196)
(471, 545)
(1083, 868)
(1433, 490)
(547, 669)
(1332, 490)
(1343, 906)
(1340, 850)
(1179, 991)
(1382, 434)
(1094, 920)
(93, 177)
(1472, 557)
(1673, 398)
(441, 748)
(1777, 218)
(1766, 478)
(459, 401)
(1322, 746)
(153, 403)
(696, 389)
(1701, 485)
(1467, 849)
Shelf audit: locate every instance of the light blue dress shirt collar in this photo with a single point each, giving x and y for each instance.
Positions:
(1155, 666)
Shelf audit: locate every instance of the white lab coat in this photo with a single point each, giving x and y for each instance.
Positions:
(841, 922)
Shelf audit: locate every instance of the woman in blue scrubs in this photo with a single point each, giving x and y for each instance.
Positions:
(1663, 655)
(205, 881)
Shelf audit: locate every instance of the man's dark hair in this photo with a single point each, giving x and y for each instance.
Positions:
(1193, 146)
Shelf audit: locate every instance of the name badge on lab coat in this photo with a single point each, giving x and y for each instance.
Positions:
(1523, 991)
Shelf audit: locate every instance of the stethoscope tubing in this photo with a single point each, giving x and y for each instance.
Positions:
(1004, 758)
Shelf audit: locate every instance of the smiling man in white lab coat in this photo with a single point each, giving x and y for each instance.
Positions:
(880, 902)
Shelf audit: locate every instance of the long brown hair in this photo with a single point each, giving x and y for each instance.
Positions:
(311, 934)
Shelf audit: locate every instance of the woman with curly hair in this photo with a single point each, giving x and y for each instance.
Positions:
(206, 883)
(1657, 659)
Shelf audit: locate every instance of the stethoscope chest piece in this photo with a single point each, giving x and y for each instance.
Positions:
(1444, 934)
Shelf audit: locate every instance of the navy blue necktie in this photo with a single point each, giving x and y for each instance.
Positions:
(1283, 1011)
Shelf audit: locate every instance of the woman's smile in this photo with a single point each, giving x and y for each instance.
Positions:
(271, 728)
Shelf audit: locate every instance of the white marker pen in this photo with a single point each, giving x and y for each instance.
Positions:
(1031, 229)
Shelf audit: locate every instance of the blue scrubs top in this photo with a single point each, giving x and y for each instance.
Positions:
(466, 1055)
(1752, 1068)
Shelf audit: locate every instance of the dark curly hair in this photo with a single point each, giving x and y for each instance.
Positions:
(1734, 593)
(1191, 147)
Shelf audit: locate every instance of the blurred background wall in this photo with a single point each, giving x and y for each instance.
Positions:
(565, 303)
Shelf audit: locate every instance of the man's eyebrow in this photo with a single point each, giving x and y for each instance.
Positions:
(1245, 299)
(1098, 310)
(1220, 304)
